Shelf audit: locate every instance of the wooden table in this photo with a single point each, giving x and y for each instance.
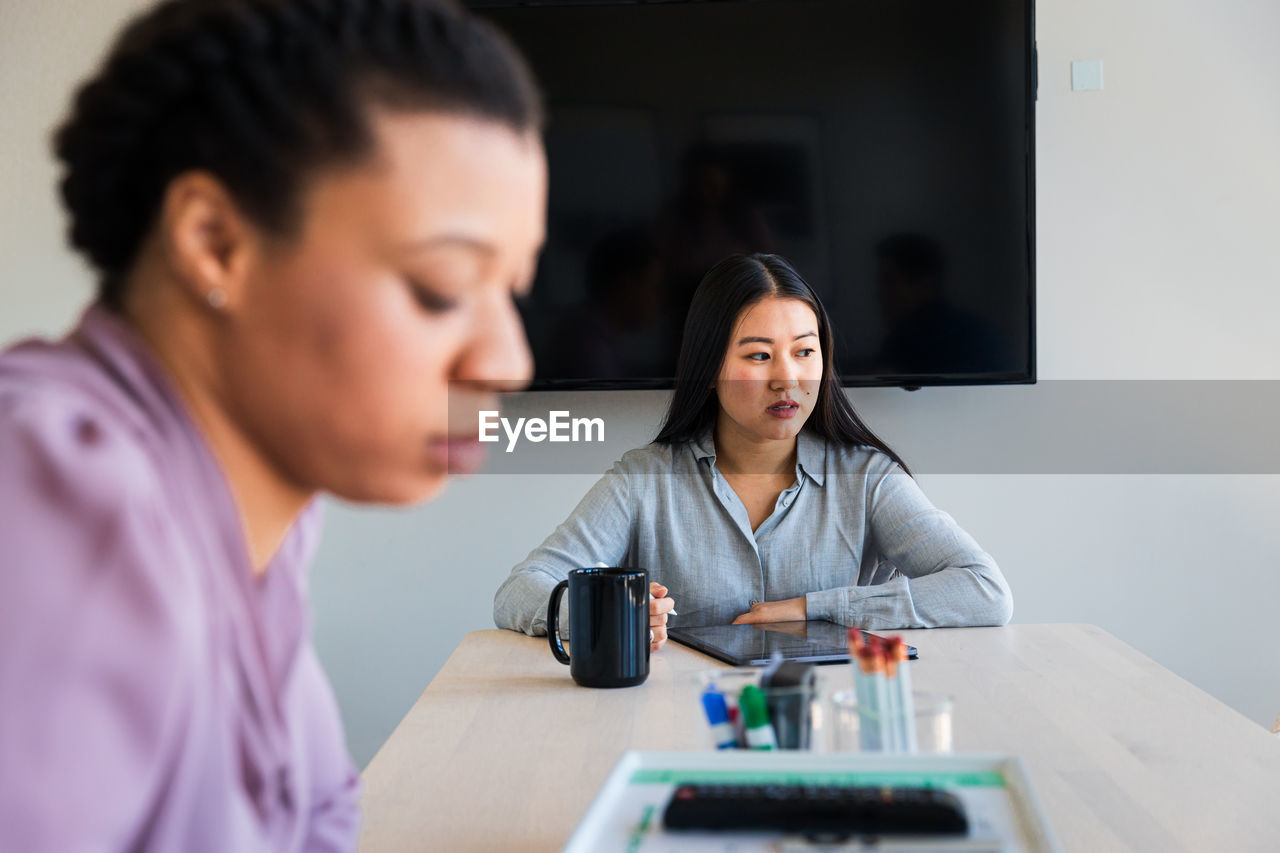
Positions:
(504, 752)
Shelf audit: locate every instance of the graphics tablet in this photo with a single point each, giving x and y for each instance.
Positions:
(753, 645)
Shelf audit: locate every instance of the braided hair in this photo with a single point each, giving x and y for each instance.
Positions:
(261, 93)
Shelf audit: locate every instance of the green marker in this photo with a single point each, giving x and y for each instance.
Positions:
(755, 719)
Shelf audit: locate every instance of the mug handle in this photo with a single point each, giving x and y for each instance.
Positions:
(553, 620)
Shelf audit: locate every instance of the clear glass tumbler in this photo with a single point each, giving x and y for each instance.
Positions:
(850, 724)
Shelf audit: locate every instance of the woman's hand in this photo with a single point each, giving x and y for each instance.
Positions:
(659, 606)
(787, 610)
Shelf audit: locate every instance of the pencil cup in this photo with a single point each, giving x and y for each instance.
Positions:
(795, 714)
(859, 729)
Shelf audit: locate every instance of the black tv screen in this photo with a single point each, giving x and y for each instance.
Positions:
(884, 147)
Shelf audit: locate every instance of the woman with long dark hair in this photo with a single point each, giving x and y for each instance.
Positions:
(308, 218)
(764, 498)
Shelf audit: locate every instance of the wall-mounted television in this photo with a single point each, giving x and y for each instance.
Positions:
(885, 147)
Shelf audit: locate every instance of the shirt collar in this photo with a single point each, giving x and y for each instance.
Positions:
(704, 446)
(811, 453)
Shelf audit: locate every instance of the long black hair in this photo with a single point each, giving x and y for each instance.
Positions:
(728, 288)
(262, 93)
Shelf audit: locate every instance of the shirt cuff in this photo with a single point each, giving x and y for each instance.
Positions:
(539, 626)
(824, 604)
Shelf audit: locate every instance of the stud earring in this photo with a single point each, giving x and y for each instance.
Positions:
(216, 297)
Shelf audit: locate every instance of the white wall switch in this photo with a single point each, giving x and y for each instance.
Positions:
(1086, 75)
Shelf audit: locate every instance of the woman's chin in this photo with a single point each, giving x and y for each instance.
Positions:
(428, 490)
(402, 492)
(782, 430)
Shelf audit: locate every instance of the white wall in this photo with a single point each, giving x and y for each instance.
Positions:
(1158, 199)
(46, 47)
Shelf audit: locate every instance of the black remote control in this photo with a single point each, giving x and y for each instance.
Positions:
(836, 811)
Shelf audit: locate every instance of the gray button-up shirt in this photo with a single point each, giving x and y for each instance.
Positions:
(854, 534)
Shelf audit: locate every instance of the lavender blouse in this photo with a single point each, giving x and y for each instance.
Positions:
(154, 694)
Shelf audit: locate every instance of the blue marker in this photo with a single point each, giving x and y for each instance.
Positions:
(722, 733)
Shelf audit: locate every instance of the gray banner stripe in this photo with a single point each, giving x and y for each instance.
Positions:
(1054, 427)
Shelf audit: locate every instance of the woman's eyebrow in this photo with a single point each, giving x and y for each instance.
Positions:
(465, 241)
(758, 340)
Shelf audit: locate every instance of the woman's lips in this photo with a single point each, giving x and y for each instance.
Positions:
(784, 409)
(457, 454)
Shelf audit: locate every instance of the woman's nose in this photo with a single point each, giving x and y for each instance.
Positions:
(784, 375)
(498, 356)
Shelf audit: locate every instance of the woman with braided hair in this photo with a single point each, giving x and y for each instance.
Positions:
(309, 219)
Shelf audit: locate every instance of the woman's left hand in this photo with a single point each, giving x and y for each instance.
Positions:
(787, 610)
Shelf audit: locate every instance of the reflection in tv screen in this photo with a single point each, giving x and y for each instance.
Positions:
(885, 148)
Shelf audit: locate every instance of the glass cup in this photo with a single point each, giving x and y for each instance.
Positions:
(857, 729)
(796, 714)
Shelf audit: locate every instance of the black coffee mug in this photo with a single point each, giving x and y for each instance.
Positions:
(608, 626)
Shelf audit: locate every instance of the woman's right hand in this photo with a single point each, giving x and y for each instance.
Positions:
(659, 606)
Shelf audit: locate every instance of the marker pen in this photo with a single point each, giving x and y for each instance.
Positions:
(722, 733)
(735, 719)
(755, 717)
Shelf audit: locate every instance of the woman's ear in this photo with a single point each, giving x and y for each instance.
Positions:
(206, 240)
